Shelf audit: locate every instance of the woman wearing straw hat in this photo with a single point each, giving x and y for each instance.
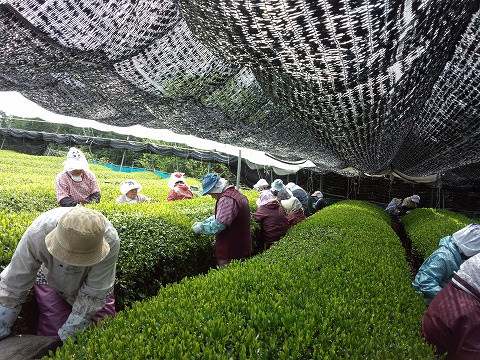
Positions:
(68, 255)
(319, 201)
(130, 193)
(76, 184)
(180, 189)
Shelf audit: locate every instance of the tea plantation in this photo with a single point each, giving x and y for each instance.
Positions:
(336, 286)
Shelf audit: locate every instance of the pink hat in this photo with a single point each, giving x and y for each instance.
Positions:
(265, 197)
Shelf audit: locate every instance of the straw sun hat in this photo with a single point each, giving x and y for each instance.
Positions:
(78, 238)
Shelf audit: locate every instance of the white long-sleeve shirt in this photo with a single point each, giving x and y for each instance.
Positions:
(85, 288)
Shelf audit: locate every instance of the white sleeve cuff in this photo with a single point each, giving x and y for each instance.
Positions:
(7, 318)
(74, 323)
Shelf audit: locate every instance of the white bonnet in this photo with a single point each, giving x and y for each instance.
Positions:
(128, 185)
(174, 178)
(76, 160)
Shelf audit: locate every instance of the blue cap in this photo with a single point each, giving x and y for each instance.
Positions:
(208, 182)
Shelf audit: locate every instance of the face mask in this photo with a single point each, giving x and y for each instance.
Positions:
(76, 178)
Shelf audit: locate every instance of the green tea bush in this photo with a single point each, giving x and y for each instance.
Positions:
(12, 227)
(425, 227)
(337, 286)
(157, 243)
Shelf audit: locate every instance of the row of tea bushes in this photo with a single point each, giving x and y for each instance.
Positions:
(337, 286)
(23, 175)
(158, 245)
(156, 248)
(12, 227)
(425, 227)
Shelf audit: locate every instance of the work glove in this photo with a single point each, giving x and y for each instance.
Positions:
(7, 318)
(197, 227)
(74, 322)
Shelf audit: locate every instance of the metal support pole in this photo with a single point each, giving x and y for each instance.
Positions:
(239, 168)
(123, 156)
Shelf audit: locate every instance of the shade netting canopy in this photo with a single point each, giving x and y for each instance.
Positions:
(372, 85)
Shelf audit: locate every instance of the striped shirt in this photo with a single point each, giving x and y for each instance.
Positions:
(227, 210)
(65, 187)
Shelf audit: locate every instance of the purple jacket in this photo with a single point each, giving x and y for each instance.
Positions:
(452, 321)
(294, 217)
(235, 241)
(273, 219)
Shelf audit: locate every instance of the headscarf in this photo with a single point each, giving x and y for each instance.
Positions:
(219, 186)
(174, 178)
(292, 204)
(265, 197)
(415, 198)
(260, 185)
(470, 272)
(468, 239)
(278, 184)
(292, 186)
(76, 160)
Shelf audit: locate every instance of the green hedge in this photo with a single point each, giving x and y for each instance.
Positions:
(157, 244)
(425, 227)
(336, 286)
(12, 227)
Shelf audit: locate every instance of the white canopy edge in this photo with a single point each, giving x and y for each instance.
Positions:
(14, 104)
(395, 172)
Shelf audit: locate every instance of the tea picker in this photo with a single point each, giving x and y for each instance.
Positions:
(68, 256)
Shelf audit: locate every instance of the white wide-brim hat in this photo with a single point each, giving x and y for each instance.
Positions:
(128, 185)
(78, 239)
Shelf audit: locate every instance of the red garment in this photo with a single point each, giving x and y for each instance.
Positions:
(180, 192)
(452, 322)
(273, 219)
(235, 241)
(294, 217)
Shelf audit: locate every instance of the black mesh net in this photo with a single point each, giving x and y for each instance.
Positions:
(363, 84)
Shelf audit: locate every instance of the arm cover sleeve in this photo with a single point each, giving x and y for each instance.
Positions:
(95, 197)
(7, 318)
(68, 202)
(211, 226)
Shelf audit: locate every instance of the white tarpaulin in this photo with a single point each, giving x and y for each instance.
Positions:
(13, 103)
